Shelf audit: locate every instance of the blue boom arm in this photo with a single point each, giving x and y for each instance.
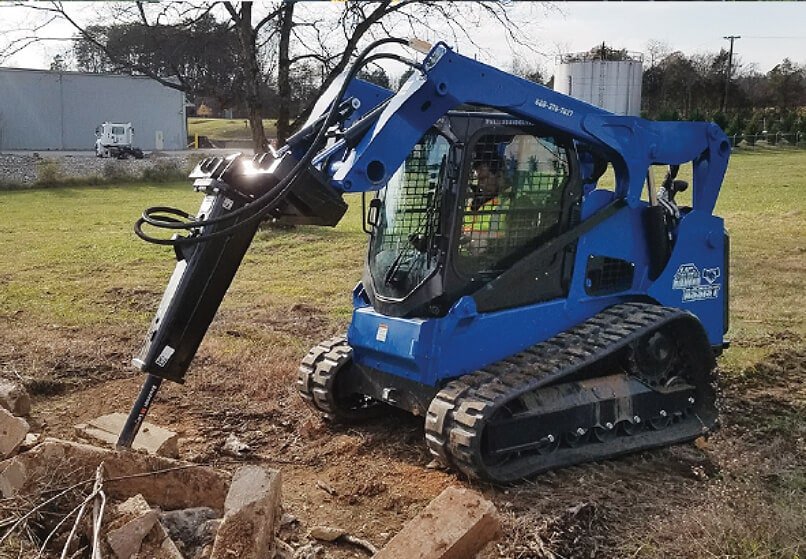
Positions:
(449, 79)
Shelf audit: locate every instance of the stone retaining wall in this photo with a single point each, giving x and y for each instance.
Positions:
(26, 171)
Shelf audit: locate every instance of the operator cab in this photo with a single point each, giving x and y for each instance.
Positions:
(476, 194)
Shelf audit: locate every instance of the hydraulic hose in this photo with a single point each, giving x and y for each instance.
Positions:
(269, 200)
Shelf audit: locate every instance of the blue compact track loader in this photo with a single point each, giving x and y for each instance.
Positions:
(535, 311)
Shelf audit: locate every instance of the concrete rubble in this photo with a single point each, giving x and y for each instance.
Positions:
(160, 508)
(136, 519)
(250, 510)
(177, 485)
(14, 397)
(12, 432)
(151, 438)
(455, 525)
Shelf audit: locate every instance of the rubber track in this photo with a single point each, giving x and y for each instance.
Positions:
(317, 371)
(458, 413)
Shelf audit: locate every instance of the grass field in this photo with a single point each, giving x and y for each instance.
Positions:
(226, 129)
(77, 290)
(77, 240)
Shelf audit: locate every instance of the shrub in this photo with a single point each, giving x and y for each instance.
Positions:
(114, 172)
(49, 172)
(164, 171)
(753, 128)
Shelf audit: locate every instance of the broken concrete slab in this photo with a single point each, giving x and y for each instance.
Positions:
(137, 519)
(151, 438)
(168, 484)
(12, 432)
(14, 397)
(455, 525)
(247, 530)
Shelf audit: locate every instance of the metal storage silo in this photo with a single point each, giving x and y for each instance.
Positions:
(603, 76)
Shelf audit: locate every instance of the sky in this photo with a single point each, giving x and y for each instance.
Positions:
(769, 31)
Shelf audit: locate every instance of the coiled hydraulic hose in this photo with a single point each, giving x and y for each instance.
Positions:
(163, 217)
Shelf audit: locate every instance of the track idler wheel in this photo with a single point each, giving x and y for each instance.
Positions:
(654, 358)
(324, 383)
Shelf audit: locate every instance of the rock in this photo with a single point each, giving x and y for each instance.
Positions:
(12, 432)
(30, 441)
(191, 529)
(455, 525)
(173, 485)
(133, 507)
(235, 447)
(14, 398)
(326, 533)
(12, 477)
(127, 539)
(159, 545)
(151, 438)
(247, 530)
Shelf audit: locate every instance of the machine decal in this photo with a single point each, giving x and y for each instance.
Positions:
(694, 285)
(383, 329)
(710, 274)
(164, 355)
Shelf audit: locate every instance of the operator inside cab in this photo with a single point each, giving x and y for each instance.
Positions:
(488, 198)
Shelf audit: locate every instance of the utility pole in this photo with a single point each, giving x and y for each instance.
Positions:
(730, 38)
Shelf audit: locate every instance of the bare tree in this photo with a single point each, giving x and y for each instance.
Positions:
(287, 36)
(657, 50)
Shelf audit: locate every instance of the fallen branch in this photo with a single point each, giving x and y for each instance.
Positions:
(360, 543)
(326, 488)
(39, 506)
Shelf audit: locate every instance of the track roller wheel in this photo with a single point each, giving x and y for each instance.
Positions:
(323, 382)
(576, 438)
(629, 428)
(661, 421)
(605, 433)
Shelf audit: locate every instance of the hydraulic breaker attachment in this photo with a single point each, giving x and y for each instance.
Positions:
(205, 268)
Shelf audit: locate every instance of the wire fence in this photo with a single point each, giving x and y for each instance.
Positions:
(793, 139)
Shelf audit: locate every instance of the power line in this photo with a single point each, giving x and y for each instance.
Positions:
(773, 37)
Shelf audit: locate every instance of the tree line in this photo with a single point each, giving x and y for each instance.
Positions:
(677, 86)
(275, 60)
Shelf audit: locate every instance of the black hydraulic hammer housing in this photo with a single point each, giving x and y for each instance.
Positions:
(205, 268)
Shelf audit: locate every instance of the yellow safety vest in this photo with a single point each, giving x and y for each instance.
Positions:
(488, 219)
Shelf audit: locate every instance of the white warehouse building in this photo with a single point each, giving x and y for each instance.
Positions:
(50, 110)
(605, 77)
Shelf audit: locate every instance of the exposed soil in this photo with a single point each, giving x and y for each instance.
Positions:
(691, 500)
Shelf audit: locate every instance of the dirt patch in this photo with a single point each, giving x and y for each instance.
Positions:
(53, 359)
(299, 320)
(136, 299)
(369, 479)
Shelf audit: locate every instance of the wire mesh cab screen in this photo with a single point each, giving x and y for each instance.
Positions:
(403, 250)
(513, 199)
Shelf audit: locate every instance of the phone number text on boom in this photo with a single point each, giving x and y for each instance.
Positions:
(543, 104)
